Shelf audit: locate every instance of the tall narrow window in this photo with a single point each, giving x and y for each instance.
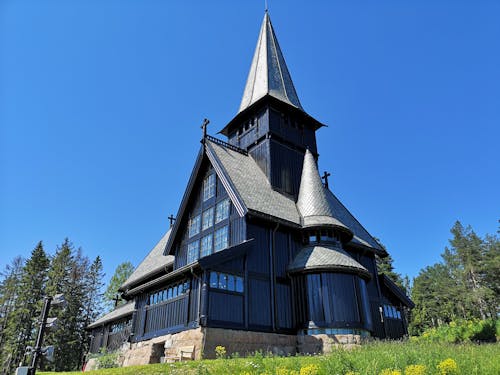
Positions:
(206, 245)
(222, 211)
(209, 187)
(194, 226)
(193, 251)
(221, 238)
(208, 218)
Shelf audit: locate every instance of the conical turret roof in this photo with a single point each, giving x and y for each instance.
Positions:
(312, 203)
(268, 74)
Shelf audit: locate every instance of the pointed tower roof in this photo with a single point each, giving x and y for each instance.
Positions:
(312, 203)
(268, 73)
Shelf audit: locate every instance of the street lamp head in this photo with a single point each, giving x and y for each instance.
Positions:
(58, 300)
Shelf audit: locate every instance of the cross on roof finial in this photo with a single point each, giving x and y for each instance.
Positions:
(117, 299)
(265, 5)
(204, 127)
(325, 177)
(171, 218)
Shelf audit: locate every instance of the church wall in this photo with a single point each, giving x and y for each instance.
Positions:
(269, 289)
(292, 130)
(196, 209)
(286, 168)
(251, 129)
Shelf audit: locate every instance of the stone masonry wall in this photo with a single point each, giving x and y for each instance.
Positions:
(323, 343)
(205, 340)
(247, 342)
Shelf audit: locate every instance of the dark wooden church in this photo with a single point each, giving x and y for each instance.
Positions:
(262, 254)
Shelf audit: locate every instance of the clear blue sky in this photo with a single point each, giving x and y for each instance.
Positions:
(101, 103)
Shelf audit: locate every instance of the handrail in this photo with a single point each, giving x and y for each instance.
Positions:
(227, 145)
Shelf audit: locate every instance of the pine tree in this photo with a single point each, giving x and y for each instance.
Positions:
(122, 273)
(9, 293)
(93, 303)
(385, 266)
(464, 285)
(22, 322)
(66, 276)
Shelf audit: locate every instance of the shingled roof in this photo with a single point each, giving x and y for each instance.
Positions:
(248, 185)
(119, 312)
(152, 264)
(312, 202)
(361, 235)
(268, 74)
(326, 258)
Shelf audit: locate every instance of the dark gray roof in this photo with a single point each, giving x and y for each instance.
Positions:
(326, 258)
(119, 312)
(249, 189)
(250, 184)
(268, 73)
(361, 235)
(153, 263)
(312, 202)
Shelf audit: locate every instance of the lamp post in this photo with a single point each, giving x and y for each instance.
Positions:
(57, 300)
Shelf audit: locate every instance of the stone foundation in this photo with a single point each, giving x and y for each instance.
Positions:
(247, 342)
(325, 343)
(206, 339)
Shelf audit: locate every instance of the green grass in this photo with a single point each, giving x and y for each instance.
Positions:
(369, 359)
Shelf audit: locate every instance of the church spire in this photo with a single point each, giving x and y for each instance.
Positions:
(268, 73)
(312, 202)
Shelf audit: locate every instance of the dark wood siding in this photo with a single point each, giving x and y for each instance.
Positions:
(259, 304)
(286, 168)
(258, 256)
(284, 306)
(260, 153)
(225, 307)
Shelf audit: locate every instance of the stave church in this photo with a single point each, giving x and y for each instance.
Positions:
(262, 255)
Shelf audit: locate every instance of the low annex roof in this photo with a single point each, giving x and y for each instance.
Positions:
(326, 258)
(153, 263)
(119, 312)
(361, 235)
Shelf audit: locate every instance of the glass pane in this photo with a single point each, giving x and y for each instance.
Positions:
(239, 284)
(206, 245)
(194, 225)
(222, 211)
(223, 281)
(214, 282)
(221, 238)
(208, 218)
(209, 187)
(231, 283)
(169, 296)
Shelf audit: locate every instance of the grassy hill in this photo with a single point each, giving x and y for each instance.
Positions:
(386, 358)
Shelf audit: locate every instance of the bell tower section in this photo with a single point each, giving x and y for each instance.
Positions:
(271, 123)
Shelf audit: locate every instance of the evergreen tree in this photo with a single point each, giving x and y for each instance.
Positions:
(464, 285)
(93, 303)
(23, 327)
(122, 273)
(9, 292)
(385, 266)
(66, 276)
